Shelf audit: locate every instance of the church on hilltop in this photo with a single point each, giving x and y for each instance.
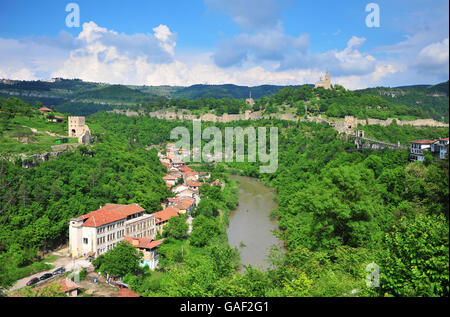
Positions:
(250, 101)
(324, 82)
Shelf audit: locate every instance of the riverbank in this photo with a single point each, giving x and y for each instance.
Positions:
(250, 227)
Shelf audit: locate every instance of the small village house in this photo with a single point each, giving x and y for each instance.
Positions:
(149, 248)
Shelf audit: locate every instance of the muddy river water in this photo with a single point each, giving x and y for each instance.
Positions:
(250, 227)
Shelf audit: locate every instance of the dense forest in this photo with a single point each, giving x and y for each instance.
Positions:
(432, 100)
(339, 211)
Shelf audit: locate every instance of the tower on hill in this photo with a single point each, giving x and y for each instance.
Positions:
(77, 126)
(249, 101)
(324, 82)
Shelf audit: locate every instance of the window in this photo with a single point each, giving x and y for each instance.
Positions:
(85, 240)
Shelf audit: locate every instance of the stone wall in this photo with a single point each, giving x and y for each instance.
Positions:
(347, 125)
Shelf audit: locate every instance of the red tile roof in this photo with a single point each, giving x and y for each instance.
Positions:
(125, 292)
(110, 213)
(171, 177)
(185, 169)
(68, 285)
(422, 141)
(45, 109)
(144, 243)
(184, 203)
(165, 214)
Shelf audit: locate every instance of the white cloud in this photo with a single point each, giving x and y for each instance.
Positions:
(434, 58)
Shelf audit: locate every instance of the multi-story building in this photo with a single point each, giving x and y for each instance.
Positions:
(418, 149)
(440, 148)
(99, 231)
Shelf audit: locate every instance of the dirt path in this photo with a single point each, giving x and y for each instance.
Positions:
(49, 133)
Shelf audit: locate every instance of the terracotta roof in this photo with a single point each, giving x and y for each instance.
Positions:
(145, 243)
(446, 139)
(422, 141)
(185, 169)
(68, 285)
(45, 109)
(184, 203)
(125, 292)
(165, 214)
(194, 184)
(171, 177)
(110, 213)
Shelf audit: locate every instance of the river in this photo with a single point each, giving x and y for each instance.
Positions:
(250, 225)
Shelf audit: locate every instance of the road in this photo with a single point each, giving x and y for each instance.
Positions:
(62, 260)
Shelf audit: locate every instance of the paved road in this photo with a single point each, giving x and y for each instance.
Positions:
(63, 260)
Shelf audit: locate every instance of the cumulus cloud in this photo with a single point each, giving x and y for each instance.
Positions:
(434, 58)
(349, 61)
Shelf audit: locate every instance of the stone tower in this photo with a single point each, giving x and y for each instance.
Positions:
(249, 101)
(77, 127)
(324, 82)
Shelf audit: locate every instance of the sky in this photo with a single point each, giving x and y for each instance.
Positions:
(242, 42)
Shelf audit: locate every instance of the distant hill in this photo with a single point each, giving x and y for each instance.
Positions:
(83, 98)
(432, 99)
(226, 91)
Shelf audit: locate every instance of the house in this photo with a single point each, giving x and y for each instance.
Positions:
(179, 188)
(194, 185)
(126, 292)
(45, 110)
(56, 119)
(418, 149)
(162, 217)
(149, 248)
(171, 178)
(70, 288)
(440, 148)
(184, 204)
(99, 231)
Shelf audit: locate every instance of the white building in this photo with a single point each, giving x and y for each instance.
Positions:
(440, 147)
(418, 149)
(99, 231)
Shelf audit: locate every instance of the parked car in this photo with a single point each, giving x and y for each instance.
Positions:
(34, 280)
(45, 276)
(60, 270)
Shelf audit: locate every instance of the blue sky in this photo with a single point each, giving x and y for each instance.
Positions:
(242, 42)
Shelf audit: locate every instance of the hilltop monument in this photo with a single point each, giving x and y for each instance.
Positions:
(324, 82)
(250, 101)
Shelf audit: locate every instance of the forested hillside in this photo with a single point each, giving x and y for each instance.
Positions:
(81, 98)
(431, 100)
(339, 210)
(37, 203)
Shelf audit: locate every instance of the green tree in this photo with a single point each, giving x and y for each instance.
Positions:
(415, 261)
(122, 259)
(176, 227)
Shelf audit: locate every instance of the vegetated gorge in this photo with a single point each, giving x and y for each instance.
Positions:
(250, 226)
(338, 208)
